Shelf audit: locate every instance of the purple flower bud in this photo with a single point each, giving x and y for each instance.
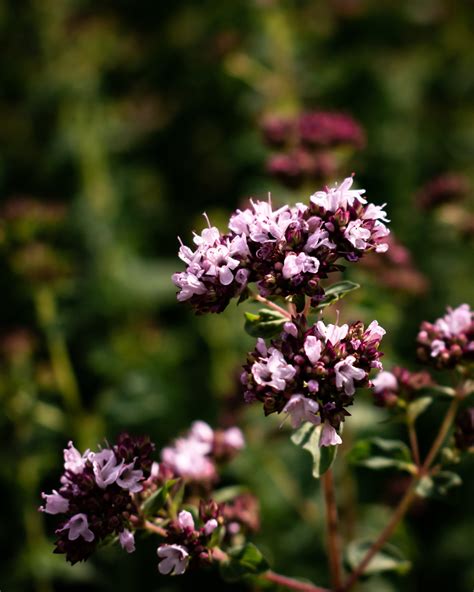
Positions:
(210, 526)
(127, 540)
(186, 520)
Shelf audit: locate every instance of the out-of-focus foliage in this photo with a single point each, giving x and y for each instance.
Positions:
(121, 122)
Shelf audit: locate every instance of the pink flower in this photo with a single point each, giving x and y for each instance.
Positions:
(301, 409)
(106, 468)
(290, 328)
(185, 520)
(357, 234)
(437, 347)
(312, 348)
(74, 461)
(174, 559)
(455, 321)
(273, 371)
(332, 333)
(130, 479)
(338, 197)
(375, 331)
(189, 285)
(221, 264)
(346, 373)
(296, 264)
(210, 526)
(329, 436)
(127, 540)
(384, 381)
(78, 526)
(55, 503)
(234, 438)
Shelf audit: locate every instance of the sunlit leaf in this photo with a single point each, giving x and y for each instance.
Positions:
(418, 407)
(380, 453)
(266, 323)
(389, 558)
(243, 561)
(438, 485)
(337, 291)
(307, 437)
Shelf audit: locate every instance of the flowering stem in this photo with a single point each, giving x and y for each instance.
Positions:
(291, 583)
(440, 438)
(384, 536)
(154, 528)
(219, 555)
(413, 442)
(271, 304)
(333, 539)
(407, 499)
(60, 360)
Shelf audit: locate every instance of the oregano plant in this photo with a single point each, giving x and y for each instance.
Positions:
(302, 367)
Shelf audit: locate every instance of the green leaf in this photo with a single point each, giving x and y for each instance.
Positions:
(389, 558)
(157, 499)
(335, 292)
(379, 453)
(243, 561)
(438, 485)
(418, 407)
(228, 493)
(266, 323)
(307, 437)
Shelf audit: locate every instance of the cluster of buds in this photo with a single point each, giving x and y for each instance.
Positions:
(286, 251)
(449, 341)
(399, 384)
(312, 373)
(96, 496)
(113, 492)
(306, 145)
(395, 268)
(195, 456)
(187, 544)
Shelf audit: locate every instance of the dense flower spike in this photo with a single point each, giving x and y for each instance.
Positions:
(285, 251)
(96, 495)
(449, 341)
(194, 456)
(312, 373)
(400, 383)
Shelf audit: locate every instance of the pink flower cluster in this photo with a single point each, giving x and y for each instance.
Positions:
(449, 341)
(284, 251)
(96, 495)
(312, 373)
(195, 456)
(400, 383)
(186, 542)
(307, 145)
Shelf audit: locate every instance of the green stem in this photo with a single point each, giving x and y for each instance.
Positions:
(60, 360)
(407, 499)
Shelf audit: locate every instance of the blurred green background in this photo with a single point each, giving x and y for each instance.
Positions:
(120, 123)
